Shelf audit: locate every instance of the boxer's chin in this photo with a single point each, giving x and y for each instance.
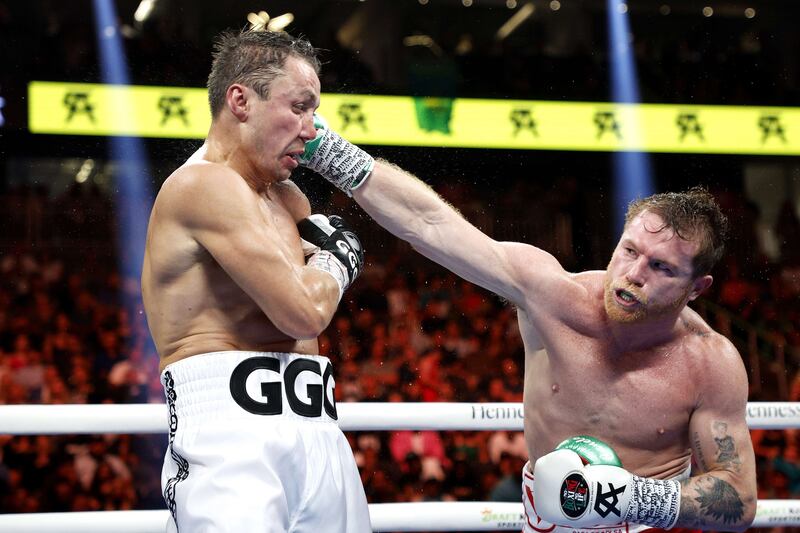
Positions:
(619, 314)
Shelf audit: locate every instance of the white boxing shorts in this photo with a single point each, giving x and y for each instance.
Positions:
(254, 447)
(534, 524)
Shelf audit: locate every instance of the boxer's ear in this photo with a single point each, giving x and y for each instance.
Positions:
(236, 98)
(701, 284)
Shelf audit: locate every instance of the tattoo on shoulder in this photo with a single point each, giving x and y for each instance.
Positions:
(726, 448)
(718, 500)
(694, 329)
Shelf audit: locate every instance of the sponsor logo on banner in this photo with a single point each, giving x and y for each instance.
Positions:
(522, 120)
(771, 127)
(499, 412)
(502, 520)
(786, 410)
(780, 514)
(352, 114)
(689, 125)
(434, 114)
(77, 103)
(182, 112)
(606, 122)
(173, 107)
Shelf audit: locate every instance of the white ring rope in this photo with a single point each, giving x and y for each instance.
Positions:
(428, 516)
(440, 516)
(152, 418)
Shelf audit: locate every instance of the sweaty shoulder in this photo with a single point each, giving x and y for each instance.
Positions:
(551, 294)
(592, 280)
(201, 189)
(293, 199)
(714, 359)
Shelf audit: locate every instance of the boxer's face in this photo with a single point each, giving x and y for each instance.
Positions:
(285, 121)
(650, 274)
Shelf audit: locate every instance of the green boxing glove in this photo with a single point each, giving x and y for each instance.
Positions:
(337, 160)
(591, 450)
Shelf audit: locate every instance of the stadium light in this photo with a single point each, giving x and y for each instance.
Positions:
(632, 171)
(132, 193)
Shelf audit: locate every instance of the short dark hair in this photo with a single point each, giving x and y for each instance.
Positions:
(254, 59)
(692, 214)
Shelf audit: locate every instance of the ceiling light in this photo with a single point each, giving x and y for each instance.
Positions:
(263, 22)
(516, 19)
(144, 10)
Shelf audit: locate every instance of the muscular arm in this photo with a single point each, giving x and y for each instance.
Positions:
(227, 219)
(723, 495)
(412, 211)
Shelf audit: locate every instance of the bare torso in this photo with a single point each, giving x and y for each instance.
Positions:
(193, 305)
(639, 402)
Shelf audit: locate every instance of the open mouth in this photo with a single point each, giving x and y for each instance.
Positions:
(292, 160)
(625, 298)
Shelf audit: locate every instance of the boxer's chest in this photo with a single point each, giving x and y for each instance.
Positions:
(276, 213)
(635, 400)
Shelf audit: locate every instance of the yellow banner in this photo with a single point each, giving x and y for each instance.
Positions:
(178, 112)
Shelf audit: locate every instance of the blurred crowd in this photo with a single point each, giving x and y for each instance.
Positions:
(681, 57)
(72, 328)
(72, 331)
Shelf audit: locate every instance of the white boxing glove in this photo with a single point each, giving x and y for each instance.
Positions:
(331, 156)
(571, 491)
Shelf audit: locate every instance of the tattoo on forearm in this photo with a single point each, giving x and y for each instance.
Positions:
(718, 500)
(690, 511)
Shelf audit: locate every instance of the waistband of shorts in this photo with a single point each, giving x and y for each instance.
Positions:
(245, 384)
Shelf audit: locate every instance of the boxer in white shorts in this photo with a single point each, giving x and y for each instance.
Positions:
(254, 446)
(239, 279)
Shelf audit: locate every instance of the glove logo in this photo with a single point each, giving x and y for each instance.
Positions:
(608, 502)
(574, 495)
(353, 240)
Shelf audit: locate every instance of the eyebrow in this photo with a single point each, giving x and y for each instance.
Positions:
(308, 95)
(629, 243)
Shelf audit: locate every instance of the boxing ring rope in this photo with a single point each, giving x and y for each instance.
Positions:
(424, 516)
(442, 416)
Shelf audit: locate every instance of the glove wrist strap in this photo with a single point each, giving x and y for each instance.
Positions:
(654, 502)
(327, 262)
(342, 163)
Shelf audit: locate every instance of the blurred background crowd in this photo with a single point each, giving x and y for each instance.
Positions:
(71, 324)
